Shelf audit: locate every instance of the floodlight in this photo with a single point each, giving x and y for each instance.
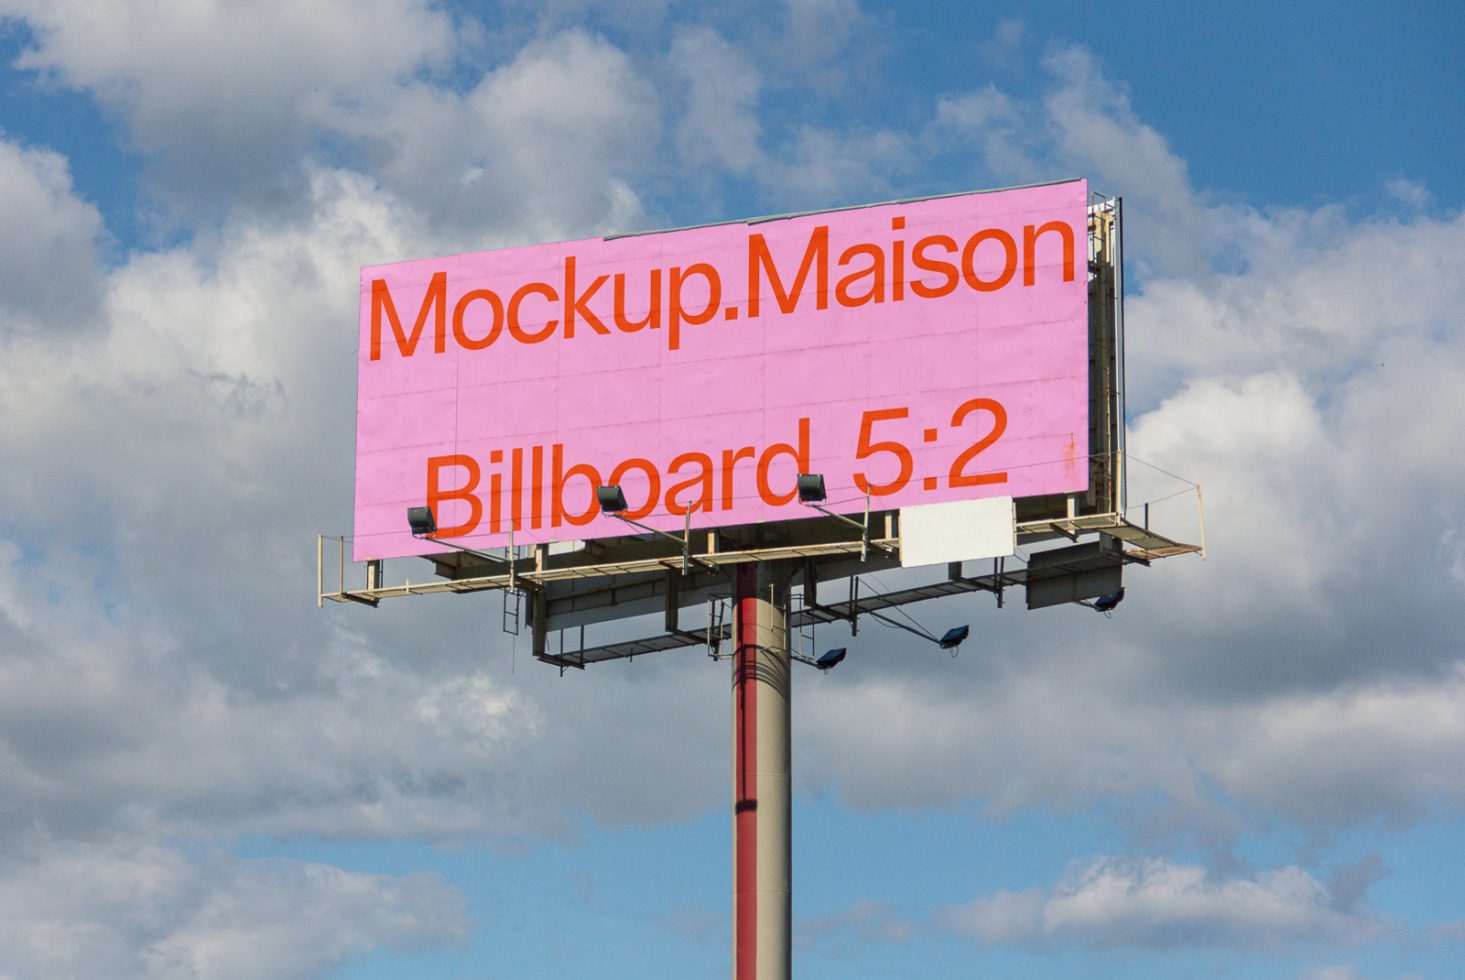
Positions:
(811, 488)
(811, 492)
(421, 521)
(423, 524)
(612, 499)
(953, 637)
(1106, 603)
(830, 658)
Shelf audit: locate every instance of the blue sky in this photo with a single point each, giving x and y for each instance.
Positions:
(1255, 769)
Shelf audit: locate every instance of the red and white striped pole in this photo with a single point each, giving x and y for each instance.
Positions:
(762, 880)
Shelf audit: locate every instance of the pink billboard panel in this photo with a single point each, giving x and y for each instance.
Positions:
(917, 352)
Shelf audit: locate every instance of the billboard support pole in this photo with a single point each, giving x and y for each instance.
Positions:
(762, 815)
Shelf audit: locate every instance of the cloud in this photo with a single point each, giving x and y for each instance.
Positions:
(355, 742)
(48, 260)
(720, 126)
(199, 372)
(993, 120)
(1157, 903)
(1002, 917)
(1272, 354)
(1137, 903)
(1081, 122)
(820, 47)
(541, 148)
(1004, 50)
(1410, 193)
(80, 758)
(234, 108)
(1317, 294)
(734, 119)
(238, 106)
(828, 167)
(1388, 749)
(1349, 883)
(154, 911)
(863, 922)
(1095, 129)
(1318, 474)
(226, 97)
(1019, 735)
(180, 471)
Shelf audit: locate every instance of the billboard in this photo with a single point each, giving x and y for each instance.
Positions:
(916, 352)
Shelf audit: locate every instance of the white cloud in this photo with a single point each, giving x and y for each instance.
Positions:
(826, 167)
(1137, 903)
(165, 667)
(1014, 723)
(1259, 444)
(862, 922)
(1095, 128)
(1083, 124)
(1296, 363)
(996, 122)
(821, 37)
(1007, 40)
(211, 369)
(1388, 749)
(81, 751)
(48, 259)
(227, 95)
(719, 128)
(1317, 295)
(1159, 903)
(542, 148)
(1216, 287)
(1410, 193)
(1002, 917)
(1026, 728)
(116, 911)
(238, 105)
(105, 727)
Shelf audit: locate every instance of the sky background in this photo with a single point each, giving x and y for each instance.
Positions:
(1255, 769)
